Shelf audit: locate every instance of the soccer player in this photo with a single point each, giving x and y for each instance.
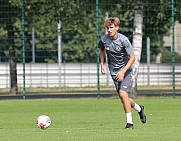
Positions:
(120, 54)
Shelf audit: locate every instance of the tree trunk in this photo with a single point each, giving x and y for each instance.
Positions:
(12, 61)
(137, 43)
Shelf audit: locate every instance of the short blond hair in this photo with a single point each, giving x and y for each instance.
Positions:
(111, 21)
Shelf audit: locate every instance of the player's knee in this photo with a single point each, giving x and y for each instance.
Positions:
(123, 94)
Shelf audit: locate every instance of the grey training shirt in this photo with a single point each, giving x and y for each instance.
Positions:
(117, 50)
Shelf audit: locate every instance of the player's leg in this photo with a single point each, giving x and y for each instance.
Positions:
(129, 103)
(125, 101)
(139, 109)
(127, 108)
(125, 85)
(123, 88)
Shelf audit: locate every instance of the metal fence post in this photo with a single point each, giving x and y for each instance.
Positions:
(23, 47)
(148, 60)
(173, 51)
(97, 37)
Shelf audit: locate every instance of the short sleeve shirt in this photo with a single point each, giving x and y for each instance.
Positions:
(117, 50)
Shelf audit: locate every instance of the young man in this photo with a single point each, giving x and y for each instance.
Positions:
(121, 56)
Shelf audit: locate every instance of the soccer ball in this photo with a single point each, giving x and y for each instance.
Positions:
(43, 122)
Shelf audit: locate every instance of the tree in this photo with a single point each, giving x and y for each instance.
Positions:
(7, 19)
(137, 43)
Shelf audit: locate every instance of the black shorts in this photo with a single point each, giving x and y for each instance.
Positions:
(124, 85)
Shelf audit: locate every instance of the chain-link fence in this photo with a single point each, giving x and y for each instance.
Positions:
(51, 46)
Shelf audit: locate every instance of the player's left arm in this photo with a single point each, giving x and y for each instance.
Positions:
(120, 74)
(130, 62)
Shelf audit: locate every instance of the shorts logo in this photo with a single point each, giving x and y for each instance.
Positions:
(125, 87)
(107, 48)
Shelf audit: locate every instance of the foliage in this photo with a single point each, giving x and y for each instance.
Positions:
(8, 15)
(156, 25)
(79, 27)
(76, 30)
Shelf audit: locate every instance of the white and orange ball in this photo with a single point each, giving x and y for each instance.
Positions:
(43, 121)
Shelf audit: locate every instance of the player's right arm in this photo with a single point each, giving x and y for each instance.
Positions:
(102, 56)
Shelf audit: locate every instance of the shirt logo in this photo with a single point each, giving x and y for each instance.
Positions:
(118, 48)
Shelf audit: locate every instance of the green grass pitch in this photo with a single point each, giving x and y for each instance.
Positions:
(89, 120)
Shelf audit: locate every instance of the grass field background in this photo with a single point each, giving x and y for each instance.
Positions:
(89, 120)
